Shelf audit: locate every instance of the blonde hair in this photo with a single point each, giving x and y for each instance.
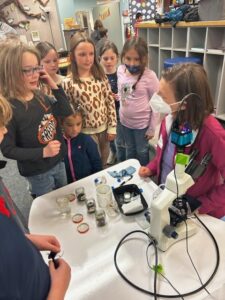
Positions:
(11, 76)
(96, 69)
(5, 111)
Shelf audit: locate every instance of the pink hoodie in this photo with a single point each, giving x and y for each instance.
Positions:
(210, 187)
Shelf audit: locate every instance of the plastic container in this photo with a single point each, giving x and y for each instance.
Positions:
(169, 62)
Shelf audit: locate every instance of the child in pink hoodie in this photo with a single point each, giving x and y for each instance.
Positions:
(184, 95)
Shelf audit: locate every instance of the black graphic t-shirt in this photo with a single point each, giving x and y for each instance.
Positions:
(32, 127)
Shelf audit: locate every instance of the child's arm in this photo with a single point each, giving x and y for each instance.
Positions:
(154, 121)
(93, 155)
(11, 150)
(61, 107)
(153, 87)
(69, 89)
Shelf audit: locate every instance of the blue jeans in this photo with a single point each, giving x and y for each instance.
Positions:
(112, 147)
(48, 181)
(136, 144)
(120, 143)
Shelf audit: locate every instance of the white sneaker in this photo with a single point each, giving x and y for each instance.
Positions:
(111, 159)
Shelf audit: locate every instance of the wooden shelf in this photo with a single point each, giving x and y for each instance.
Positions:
(152, 24)
(204, 40)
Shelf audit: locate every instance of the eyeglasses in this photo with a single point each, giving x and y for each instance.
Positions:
(31, 71)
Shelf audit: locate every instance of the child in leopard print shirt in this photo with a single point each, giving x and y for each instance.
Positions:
(88, 86)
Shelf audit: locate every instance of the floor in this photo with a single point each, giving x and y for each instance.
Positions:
(17, 186)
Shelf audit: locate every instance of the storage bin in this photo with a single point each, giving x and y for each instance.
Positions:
(169, 62)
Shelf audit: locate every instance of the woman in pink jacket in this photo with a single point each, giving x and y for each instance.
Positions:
(184, 95)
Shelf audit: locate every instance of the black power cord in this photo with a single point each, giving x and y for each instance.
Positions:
(155, 294)
(150, 244)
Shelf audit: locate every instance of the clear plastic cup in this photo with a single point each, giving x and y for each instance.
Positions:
(63, 204)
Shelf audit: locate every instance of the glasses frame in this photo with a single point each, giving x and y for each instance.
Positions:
(31, 71)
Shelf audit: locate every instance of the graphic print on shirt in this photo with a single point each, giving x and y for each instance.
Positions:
(47, 129)
(126, 91)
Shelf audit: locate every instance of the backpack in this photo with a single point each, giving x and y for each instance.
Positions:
(191, 15)
(173, 16)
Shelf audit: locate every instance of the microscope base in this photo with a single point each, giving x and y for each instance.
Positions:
(164, 243)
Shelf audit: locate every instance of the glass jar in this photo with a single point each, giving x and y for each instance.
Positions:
(80, 193)
(91, 206)
(100, 217)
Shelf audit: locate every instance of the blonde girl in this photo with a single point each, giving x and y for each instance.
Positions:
(34, 136)
(35, 278)
(50, 62)
(88, 86)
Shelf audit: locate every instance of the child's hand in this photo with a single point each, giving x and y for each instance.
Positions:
(52, 149)
(144, 172)
(111, 137)
(149, 136)
(60, 279)
(44, 242)
(46, 78)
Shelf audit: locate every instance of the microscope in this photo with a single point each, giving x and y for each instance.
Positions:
(170, 210)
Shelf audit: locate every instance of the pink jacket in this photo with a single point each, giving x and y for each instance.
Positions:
(210, 187)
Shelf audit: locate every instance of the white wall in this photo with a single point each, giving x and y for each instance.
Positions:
(67, 8)
(112, 22)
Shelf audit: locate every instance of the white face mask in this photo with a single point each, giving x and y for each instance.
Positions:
(159, 105)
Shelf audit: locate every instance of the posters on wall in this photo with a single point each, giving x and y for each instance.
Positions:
(146, 7)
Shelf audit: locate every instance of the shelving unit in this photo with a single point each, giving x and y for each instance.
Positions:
(200, 39)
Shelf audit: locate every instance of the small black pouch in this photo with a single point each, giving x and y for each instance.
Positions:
(135, 191)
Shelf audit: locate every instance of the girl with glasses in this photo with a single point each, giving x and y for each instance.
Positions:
(26, 274)
(34, 135)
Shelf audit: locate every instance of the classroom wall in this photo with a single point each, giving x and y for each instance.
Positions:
(48, 31)
(111, 19)
(67, 8)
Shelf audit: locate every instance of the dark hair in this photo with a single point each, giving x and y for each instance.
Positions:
(138, 15)
(44, 48)
(103, 31)
(98, 24)
(108, 45)
(141, 47)
(190, 78)
(96, 70)
(76, 111)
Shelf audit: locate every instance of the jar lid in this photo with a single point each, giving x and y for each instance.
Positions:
(71, 197)
(83, 228)
(77, 218)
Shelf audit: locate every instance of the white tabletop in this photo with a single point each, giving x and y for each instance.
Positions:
(90, 255)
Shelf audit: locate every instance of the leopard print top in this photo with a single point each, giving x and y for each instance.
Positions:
(96, 99)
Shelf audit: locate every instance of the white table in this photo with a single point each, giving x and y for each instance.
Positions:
(90, 255)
